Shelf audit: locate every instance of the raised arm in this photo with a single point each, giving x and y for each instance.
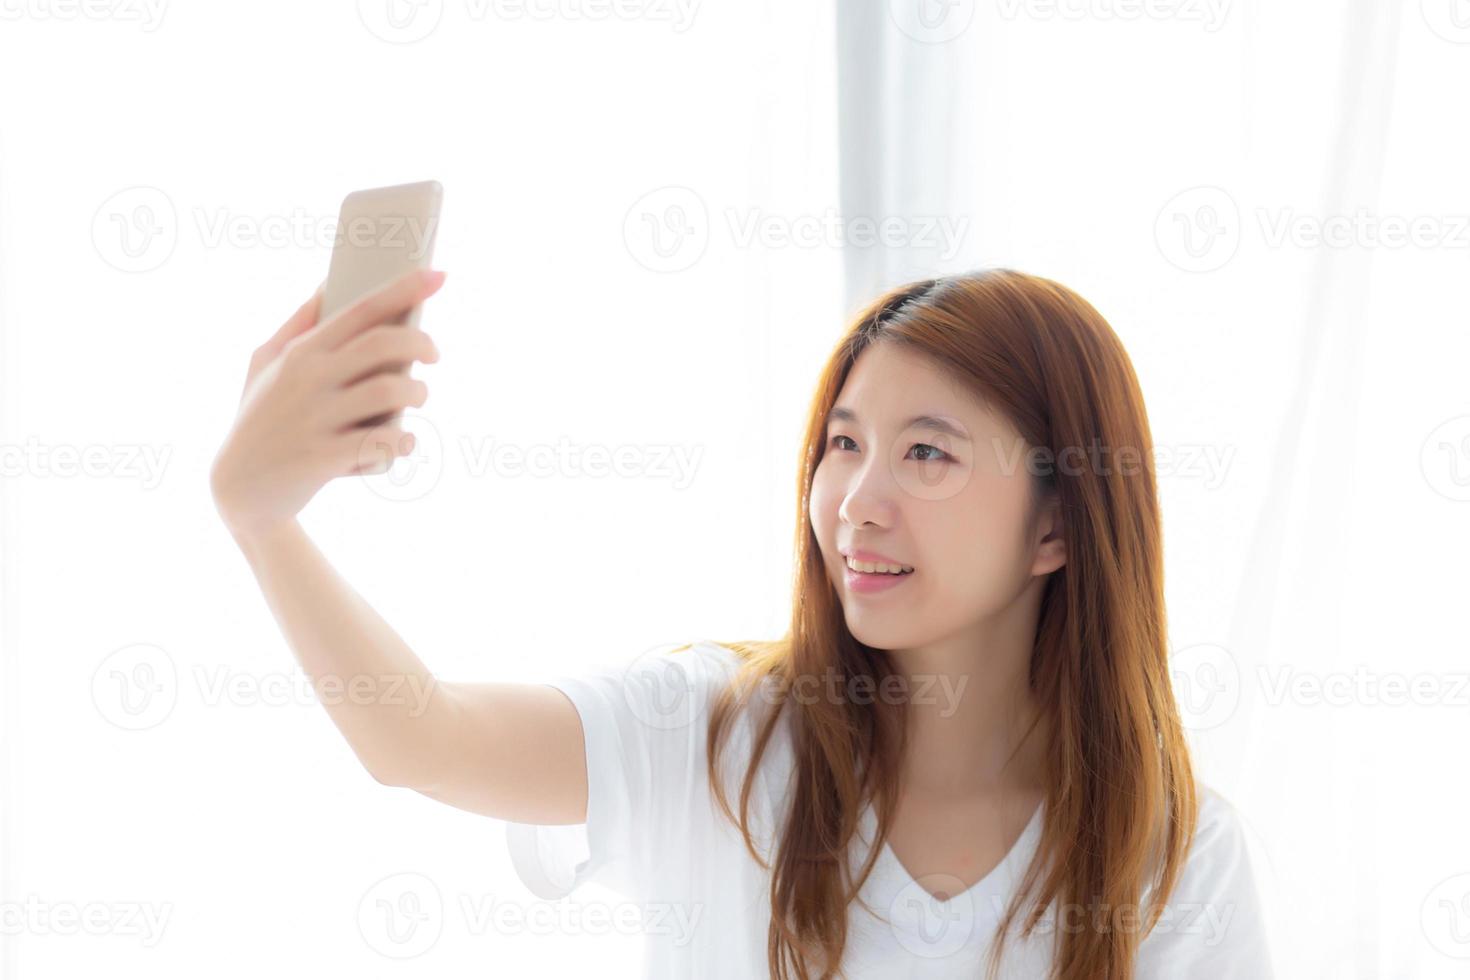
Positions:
(511, 751)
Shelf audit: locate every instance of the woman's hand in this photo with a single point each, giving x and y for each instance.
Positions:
(308, 391)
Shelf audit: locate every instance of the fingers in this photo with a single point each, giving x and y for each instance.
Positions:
(386, 304)
(299, 322)
(365, 452)
(380, 348)
(380, 394)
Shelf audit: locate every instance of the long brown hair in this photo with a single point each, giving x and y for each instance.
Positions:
(1120, 804)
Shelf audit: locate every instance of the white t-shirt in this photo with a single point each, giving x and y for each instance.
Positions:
(655, 835)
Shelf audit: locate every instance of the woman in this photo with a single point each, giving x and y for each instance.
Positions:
(964, 758)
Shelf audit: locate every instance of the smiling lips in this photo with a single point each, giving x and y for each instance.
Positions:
(864, 582)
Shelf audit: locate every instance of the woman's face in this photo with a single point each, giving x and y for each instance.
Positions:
(950, 504)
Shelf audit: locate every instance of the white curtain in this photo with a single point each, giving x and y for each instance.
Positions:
(634, 309)
(1268, 203)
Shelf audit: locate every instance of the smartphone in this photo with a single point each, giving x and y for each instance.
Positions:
(382, 233)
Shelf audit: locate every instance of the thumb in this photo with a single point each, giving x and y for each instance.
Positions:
(301, 321)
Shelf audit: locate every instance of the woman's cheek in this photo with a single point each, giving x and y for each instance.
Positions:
(822, 511)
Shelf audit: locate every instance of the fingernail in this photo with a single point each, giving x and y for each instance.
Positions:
(436, 276)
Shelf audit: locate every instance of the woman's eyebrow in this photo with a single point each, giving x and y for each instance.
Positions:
(935, 423)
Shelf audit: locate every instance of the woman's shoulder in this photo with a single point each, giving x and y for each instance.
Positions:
(745, 668)
(1219, 864)
(1219, 847)
(744, 665)
(1220, 822)
(673, 685)
(702, 667)
(1213, 921)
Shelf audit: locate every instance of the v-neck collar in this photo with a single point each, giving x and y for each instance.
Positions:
(911, 905)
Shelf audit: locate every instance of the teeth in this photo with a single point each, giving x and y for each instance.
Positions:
(870, 566)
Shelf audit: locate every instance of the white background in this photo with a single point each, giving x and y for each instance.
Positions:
(165, 175)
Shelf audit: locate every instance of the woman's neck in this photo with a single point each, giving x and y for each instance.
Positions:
(973, 724)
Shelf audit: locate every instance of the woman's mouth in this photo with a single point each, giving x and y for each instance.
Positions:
(865, 582)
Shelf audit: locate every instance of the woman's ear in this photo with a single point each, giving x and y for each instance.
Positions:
(1051, 546)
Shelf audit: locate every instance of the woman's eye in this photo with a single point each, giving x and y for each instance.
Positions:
(934, 453)
(938, 453)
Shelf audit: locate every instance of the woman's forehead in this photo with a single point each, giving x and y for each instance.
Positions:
(889, 386)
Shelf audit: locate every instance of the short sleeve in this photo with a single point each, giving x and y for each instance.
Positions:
(1213, 927)
(644, 725)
